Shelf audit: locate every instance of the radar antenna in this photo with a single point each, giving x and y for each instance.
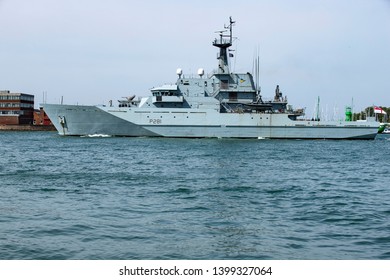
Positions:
(223, 43)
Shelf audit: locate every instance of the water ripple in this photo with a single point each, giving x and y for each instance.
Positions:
(153, 198)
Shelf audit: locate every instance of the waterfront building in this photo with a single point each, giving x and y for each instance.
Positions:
(41, 118)
(16, 108)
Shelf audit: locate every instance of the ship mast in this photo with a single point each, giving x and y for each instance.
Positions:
(223, 43)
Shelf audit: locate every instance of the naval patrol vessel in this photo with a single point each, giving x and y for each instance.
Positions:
(221, 104)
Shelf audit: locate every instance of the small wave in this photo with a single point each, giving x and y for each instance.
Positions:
(97, 135)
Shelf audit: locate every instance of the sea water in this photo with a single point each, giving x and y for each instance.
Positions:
(157, 198)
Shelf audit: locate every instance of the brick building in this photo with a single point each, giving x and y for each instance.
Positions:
(40, 117)
(16, 108)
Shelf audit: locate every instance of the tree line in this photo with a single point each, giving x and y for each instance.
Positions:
(369, 111)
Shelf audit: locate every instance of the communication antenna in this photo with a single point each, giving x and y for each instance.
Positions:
(256, 70)
(201, 72)
(223, 43)
(44, 97)
(179, 72)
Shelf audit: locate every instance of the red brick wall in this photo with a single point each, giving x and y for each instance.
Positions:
(9, 120)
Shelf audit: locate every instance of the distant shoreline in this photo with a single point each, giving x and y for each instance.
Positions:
(27, 127)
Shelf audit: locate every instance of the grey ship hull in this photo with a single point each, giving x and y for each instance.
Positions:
(193, 123)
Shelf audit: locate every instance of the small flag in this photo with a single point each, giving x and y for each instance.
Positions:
(379, 110)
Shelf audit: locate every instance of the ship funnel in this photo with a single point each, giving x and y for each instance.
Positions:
(200, 72)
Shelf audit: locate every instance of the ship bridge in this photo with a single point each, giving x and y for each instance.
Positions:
(166, 93)
(164, 90)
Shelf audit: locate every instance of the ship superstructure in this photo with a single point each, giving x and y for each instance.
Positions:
(221, 104)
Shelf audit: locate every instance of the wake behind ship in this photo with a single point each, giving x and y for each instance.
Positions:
(223, 104)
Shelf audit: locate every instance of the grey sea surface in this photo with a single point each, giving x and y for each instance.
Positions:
(157, 198)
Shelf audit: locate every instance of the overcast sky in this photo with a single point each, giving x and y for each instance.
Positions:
(91, 51)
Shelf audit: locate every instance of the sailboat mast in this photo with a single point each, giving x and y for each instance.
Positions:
(318, 109)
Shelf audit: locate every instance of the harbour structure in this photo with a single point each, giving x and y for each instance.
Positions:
(41, 118)
(16, 108)
(221, 104)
